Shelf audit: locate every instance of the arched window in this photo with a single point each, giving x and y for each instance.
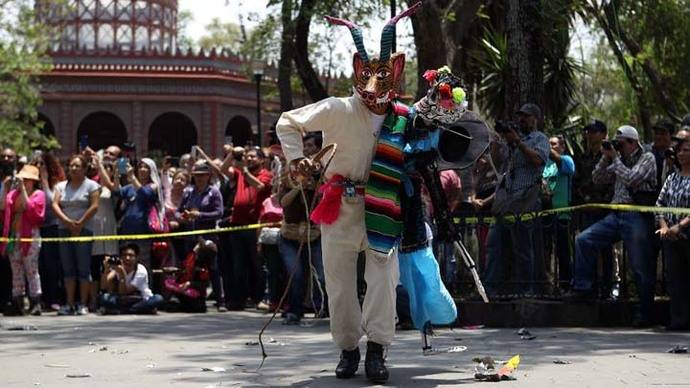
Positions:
(106, 36)
(239, 130)
(102, 129)
(87, 37)
(173, 133)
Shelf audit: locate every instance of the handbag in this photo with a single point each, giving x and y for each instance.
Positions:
(517, 203)
(158, 223)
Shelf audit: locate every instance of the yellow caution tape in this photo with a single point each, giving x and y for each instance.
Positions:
(464, 221)
(616, 207)
(129, 237)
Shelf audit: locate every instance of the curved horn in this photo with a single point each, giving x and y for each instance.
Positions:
(389, 28)
(356, 34)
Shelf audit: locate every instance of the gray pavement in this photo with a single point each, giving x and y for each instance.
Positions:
(171, 350)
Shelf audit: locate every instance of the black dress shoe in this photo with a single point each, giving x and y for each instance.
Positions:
(349, 362)
(374, 364)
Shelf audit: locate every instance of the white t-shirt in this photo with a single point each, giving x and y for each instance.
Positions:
(376, 122)
(139, 279)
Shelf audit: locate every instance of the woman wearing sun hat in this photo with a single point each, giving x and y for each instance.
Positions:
(24, 209)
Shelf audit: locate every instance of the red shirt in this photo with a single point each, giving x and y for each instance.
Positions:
(248, 199)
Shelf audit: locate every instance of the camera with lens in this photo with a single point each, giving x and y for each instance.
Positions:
(6, 169)
(611, 145)
(505, 126)
(113, 260)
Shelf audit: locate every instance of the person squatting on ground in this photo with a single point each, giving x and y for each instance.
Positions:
(126, 284)
(353, 123)
(633, 172)
(23, 205)
(190, 283)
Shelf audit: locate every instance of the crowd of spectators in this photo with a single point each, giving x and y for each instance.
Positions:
(573, 254)
(522, 255)
(111, 192)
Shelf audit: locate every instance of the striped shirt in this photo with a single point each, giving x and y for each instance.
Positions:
(521, 174)
(636, 172)
(674, 193)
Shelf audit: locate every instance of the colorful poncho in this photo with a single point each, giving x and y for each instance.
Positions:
(383, 217)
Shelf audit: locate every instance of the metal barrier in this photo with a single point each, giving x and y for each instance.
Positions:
(554, 253)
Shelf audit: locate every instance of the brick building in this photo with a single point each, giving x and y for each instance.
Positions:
(119, 77)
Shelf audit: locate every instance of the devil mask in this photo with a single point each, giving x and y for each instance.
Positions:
(377, 79)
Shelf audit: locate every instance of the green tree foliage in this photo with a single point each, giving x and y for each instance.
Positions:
(604, 92)
(23, 47)
(222, 36)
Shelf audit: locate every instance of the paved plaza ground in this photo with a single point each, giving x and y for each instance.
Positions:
(173, 349)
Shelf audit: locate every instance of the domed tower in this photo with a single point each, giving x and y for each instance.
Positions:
(105, 25)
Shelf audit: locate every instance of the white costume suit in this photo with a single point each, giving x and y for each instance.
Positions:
(354, 128)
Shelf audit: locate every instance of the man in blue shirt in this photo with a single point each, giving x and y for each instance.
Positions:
(518, 193)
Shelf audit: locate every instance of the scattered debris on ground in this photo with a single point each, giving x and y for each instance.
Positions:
(486, 371)
(451, 349)
(78, 375)
(561, 362)
(678, 349)
(22, 328)
(217, 369)
(525, 335)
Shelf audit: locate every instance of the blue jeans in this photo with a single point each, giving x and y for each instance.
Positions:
(636, 231)
(300, 266)
(143, 306)
(608, 273)
(521, 236)
(76, 257)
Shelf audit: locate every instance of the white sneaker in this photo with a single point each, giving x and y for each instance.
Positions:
(82, 310)
(66, 310)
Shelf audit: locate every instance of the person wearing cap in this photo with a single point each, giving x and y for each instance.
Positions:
(201, 206)
(633, 172)
(24, 207)
(585, 191)
(664, 131)
(528, 152)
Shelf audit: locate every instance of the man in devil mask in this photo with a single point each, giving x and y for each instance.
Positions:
(368, 128)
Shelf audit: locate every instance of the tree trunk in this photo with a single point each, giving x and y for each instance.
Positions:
(287, 50)
(429, 40)
(525, 55)
(309, 77)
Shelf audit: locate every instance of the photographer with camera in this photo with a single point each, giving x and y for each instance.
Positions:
(517, 193)
(126, 284)
(633, 172)
(252, 187)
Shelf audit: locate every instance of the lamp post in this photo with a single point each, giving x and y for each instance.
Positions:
(258, 70)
